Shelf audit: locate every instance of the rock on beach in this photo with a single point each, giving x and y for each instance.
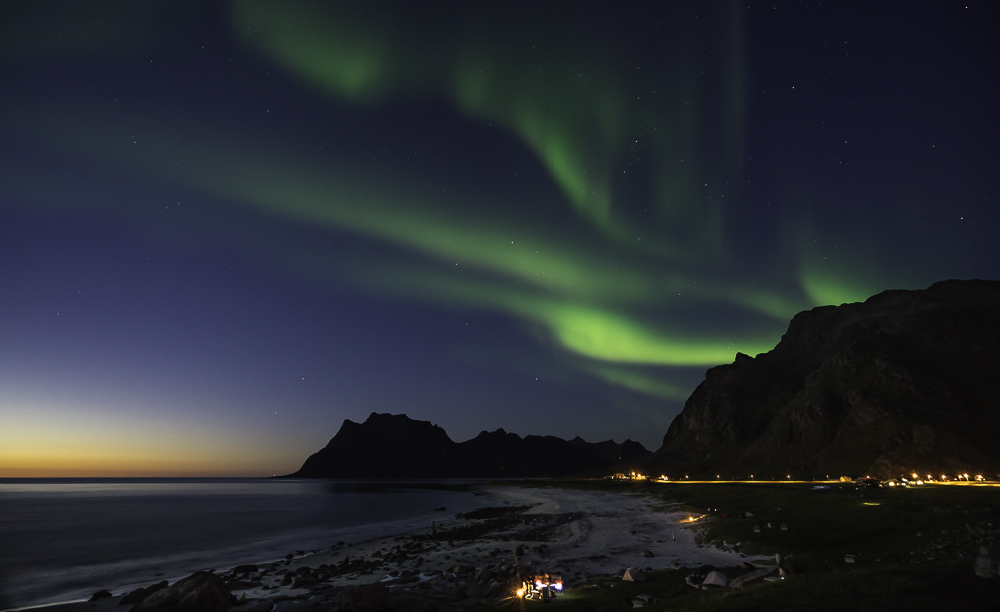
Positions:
(134, 597)
(199, 592)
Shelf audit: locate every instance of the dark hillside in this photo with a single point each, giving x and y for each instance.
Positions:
(907, 381)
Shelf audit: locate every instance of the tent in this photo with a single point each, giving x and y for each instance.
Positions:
(716, 578)
(634, 574)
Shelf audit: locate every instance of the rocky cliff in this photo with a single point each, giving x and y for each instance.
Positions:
(907, 381)
(396, 446)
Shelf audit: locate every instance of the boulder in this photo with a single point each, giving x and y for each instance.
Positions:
(647, 553)
(986, 562)
(370, 598)
(199, 592)
(306, 581)
(100, 595)
(245, 569)
(134, 597)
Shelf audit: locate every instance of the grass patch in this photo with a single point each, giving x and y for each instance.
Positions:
(914, 548)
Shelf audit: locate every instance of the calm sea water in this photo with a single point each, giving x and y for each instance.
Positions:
(63, 539)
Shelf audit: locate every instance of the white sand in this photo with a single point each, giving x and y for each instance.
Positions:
(611, 535)
(619, 527)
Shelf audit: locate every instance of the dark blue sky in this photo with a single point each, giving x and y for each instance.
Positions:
(226, 228)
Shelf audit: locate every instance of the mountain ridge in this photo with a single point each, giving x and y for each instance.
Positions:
(396, 446)
(905, 382)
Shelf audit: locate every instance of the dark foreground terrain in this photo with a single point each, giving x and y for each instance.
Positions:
(914, 549)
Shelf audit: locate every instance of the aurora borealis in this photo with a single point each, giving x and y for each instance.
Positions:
(224, 229)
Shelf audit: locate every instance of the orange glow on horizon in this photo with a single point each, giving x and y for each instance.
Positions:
(83, 461)
(58, 443)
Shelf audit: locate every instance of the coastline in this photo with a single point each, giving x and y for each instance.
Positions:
(65, 539)
(580, 535)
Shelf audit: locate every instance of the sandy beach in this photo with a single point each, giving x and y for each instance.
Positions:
(480, 557)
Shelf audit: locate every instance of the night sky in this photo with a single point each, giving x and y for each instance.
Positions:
(225, 228)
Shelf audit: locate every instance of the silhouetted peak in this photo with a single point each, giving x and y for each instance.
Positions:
(396, 446)
(906, 381)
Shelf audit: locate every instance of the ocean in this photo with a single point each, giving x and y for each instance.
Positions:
(63, 539)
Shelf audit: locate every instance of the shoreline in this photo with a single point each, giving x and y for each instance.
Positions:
(105, 534)
(464, 561)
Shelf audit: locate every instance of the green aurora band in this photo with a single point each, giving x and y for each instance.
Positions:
(585, 298)
(571, 100)
(600, 282)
